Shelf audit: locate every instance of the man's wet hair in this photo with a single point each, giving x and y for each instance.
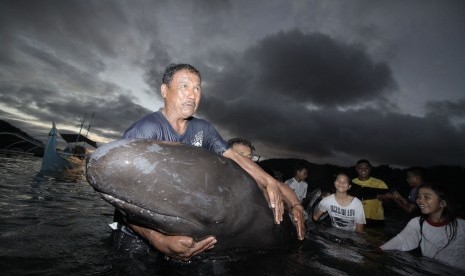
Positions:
(300, 165)
(240, 141)
(172, 68)
(417, 171)
(363, 161)
(339, 172)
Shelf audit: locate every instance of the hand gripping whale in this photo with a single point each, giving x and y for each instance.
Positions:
(180, 189)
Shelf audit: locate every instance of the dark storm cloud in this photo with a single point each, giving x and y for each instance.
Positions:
(315, 68)
(330, 81)
(297, 68)
(52, 56)
(57, 68)
(64, 22)
(277, 80)
(392, 138)
(307, 94)
(154, 67)
(79, 91)
(447, 108)
(117, 110)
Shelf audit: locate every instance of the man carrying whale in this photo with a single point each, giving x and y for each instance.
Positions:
(181, 90)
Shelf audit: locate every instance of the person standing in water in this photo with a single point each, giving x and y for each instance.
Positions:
(242, 146)
(181, 90)
(415, 178)
(438, 231)
(298, 183)
(367, 189)
(346, 211)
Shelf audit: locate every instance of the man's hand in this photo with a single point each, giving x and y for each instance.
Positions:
(177, 247)
(184, 248)
(275, 198)
(297, 212)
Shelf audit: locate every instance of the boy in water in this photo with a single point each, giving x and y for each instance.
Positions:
(414, 179)
(298, 183)
(367, 189)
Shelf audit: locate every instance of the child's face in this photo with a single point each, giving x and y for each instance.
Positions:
(302, 174)
(429, 202)
(342, 183)
(412, 180)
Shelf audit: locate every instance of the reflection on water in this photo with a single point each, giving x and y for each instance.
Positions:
(49, 225)
(57, 225)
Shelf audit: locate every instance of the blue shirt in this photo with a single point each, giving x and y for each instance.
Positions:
(199, 132)
(412, 197)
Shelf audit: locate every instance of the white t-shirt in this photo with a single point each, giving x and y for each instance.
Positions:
(432, 243)
(300, 188)
(343, 217)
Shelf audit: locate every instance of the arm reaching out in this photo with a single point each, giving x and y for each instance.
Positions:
(265, 181)
(402, 202)
(276, 192)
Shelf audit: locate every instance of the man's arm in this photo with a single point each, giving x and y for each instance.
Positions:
(276, 191)
(264, 180)
(364, 193)
(295, 208)
(177, 247)
(403, 203)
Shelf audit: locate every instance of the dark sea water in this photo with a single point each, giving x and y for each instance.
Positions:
(59, 226)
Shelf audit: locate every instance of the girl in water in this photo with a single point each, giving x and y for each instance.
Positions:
(346, 211)
(438, 231)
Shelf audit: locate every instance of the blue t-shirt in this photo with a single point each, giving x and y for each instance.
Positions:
(412, 197)
(199, 132)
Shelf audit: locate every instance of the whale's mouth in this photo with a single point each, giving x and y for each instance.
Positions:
(166, 223)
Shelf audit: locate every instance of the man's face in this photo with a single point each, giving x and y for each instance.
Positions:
(243, 150)
(182, 95)
(363, 171)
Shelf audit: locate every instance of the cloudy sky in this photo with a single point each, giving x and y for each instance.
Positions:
(329, 81)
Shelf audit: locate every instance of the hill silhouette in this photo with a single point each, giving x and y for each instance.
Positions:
(13, 139)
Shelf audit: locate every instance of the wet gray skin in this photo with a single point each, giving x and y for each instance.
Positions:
(185, 190)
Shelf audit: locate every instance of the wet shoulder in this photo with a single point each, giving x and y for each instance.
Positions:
(144, 127)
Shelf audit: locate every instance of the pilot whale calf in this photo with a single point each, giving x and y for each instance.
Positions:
(180, 189)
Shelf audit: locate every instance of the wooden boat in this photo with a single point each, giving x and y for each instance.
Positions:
(73, 157)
